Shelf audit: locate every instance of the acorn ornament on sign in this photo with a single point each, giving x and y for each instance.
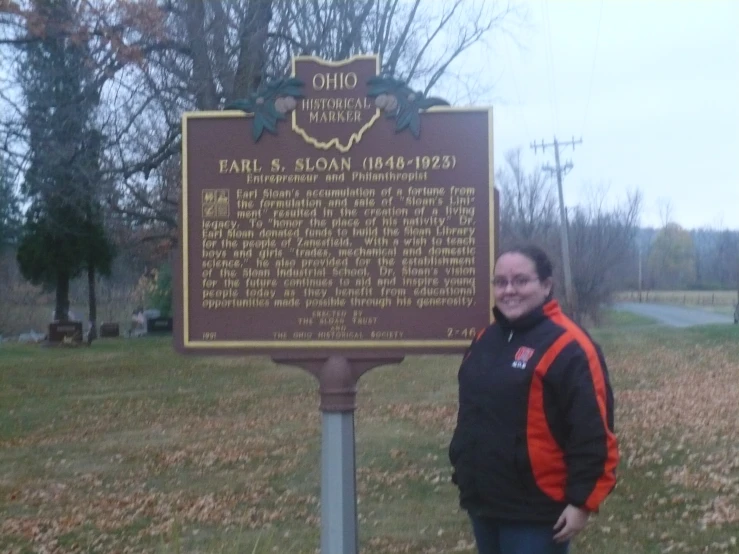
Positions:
(270, 104)
(284, 104)
(402, 103)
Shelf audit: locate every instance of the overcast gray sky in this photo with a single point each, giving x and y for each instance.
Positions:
(652, 86)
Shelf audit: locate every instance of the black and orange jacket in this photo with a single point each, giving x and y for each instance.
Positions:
(535, 425)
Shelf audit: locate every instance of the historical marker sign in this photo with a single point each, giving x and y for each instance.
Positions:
(335, 214)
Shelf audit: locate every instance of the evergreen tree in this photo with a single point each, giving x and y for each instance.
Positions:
(64, 231)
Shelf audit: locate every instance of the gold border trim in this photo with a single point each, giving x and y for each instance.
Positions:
(217, 114)
(186, 116)
(185, 232)
(491, 211)
(335, 142)
(314, 344)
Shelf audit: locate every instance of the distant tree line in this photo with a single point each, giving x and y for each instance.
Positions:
(609, 251)
(696, 259)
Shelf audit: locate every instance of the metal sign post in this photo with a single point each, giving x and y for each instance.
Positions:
(337, 378)
(338, 484)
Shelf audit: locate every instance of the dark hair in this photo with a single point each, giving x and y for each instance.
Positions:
(542, 263)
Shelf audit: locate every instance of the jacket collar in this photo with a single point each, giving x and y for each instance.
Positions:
(547, 310)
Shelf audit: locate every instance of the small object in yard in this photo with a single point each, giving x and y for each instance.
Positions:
(109, 330)
(159, 325)
(67, 332)
(138, 323)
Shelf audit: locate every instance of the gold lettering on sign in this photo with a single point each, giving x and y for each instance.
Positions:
(323, 165)
(347, 254)
(335, 117)
(335, 81)
(239, 166)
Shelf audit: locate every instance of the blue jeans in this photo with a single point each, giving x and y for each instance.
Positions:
(505, 537)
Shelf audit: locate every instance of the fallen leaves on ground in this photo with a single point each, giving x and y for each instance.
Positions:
(114, 472)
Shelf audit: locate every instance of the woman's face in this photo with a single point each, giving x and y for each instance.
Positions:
(517, 289)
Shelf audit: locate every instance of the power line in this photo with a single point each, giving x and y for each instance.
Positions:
(592, 68)
(550, 65)
(515, 86)
(564, 235)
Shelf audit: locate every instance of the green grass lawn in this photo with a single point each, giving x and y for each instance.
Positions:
(127, 446)
(617, 319)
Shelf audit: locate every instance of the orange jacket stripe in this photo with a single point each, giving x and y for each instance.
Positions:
(607, 480)
(479, 334)
(547, 459)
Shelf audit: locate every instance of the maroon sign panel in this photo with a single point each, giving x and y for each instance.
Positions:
(338, 217)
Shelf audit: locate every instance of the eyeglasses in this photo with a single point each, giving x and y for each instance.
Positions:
(517, 282)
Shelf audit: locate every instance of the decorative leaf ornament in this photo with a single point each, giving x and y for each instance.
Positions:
(399, 101)
(269, 104)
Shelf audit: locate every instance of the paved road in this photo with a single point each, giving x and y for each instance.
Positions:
(676, 316)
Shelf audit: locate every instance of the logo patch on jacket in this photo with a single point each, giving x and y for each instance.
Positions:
(522, 357)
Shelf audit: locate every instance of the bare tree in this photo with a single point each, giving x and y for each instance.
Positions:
(602, 239)
(417, 41)
(210, 53)
(665, 208)
(527, 211)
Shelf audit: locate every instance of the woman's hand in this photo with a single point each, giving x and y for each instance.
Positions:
(570, 523)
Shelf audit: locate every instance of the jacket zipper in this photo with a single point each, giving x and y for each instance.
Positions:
(510, 337)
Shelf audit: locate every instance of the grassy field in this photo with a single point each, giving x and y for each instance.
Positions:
(128, 447)
(720, 301)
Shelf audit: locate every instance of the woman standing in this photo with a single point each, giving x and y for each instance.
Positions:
(534, 451)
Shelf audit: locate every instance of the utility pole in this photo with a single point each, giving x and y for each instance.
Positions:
(564, 235)
(640, 273)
